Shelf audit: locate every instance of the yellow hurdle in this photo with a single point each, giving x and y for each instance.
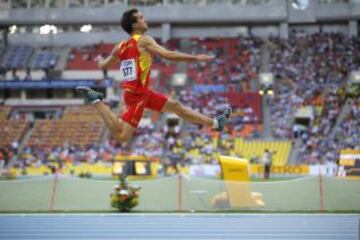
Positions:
(236, 173)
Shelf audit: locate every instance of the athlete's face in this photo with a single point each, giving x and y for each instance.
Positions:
(141, 24)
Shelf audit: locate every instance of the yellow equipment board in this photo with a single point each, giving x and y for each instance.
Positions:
(235, 172)
(234, 169)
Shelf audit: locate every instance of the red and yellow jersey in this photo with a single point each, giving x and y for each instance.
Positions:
(135, 66)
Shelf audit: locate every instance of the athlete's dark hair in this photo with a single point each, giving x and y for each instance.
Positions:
(127, 20)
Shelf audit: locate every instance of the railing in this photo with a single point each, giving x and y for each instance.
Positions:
(105, 3)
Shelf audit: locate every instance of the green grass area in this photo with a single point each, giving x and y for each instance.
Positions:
(110, 178)
(274, 179)
(283, 195)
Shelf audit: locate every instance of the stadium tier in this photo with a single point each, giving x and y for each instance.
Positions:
(79, 126)
(17, 57)
(82, 58)
(44, 60)
(248, 121)
(237, 60)
(303, 109)
(4, 112)
(11, 131)
(247, 102)
(254, 149)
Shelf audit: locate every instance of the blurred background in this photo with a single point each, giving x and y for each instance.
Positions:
(290, 70)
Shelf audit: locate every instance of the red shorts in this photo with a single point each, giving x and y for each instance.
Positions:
(137, 102)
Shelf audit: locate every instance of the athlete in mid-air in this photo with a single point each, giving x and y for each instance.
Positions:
(135, 57)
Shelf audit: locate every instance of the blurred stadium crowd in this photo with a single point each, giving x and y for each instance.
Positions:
(310, 72)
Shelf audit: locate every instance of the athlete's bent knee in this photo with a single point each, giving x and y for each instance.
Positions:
(177, 106)
(120, 137)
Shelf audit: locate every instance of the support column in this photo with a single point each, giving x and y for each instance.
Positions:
(109, 93)
(23, 95)
(165, 32)
(284, 30)
(353, 28)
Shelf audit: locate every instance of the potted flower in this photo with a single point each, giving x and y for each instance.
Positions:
(125, 197)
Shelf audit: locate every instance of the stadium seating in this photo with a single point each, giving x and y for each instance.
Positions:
(349, 127)
(224, 81)
(237, 60)
(11, 130)
(314, 77)
(246, 99)
(82, 113)
(249, 129)
(17, 57)
(80, 126)
(255, 149)
(44, 59)
(83, 58)
(4, 112)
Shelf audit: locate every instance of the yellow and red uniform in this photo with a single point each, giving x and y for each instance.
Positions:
(135, 68)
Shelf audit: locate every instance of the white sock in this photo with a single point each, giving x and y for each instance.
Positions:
(97, 100)
(215, 123)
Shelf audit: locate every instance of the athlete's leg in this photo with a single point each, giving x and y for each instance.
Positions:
(159, 102)
(121, 130)
(187, 113)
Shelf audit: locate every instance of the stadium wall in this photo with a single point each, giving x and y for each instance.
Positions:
(276, 18)
(273, 11)
(81, 39)
(225, 13)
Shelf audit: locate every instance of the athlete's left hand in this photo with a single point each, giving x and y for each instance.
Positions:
(204, 57)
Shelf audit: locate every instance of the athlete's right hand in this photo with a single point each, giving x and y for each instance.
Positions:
(204, 57)
(98, 59)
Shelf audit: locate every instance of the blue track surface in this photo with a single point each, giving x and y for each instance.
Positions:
(180, 226)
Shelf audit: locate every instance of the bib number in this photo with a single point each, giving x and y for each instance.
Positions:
(128, 70)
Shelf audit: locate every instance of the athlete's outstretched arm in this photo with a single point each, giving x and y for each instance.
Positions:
(107, 62)
(150, 45)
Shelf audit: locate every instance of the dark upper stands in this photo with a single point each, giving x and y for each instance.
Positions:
(44, 59)
(17, 57)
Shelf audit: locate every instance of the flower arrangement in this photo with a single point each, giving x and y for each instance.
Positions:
(125, 197)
